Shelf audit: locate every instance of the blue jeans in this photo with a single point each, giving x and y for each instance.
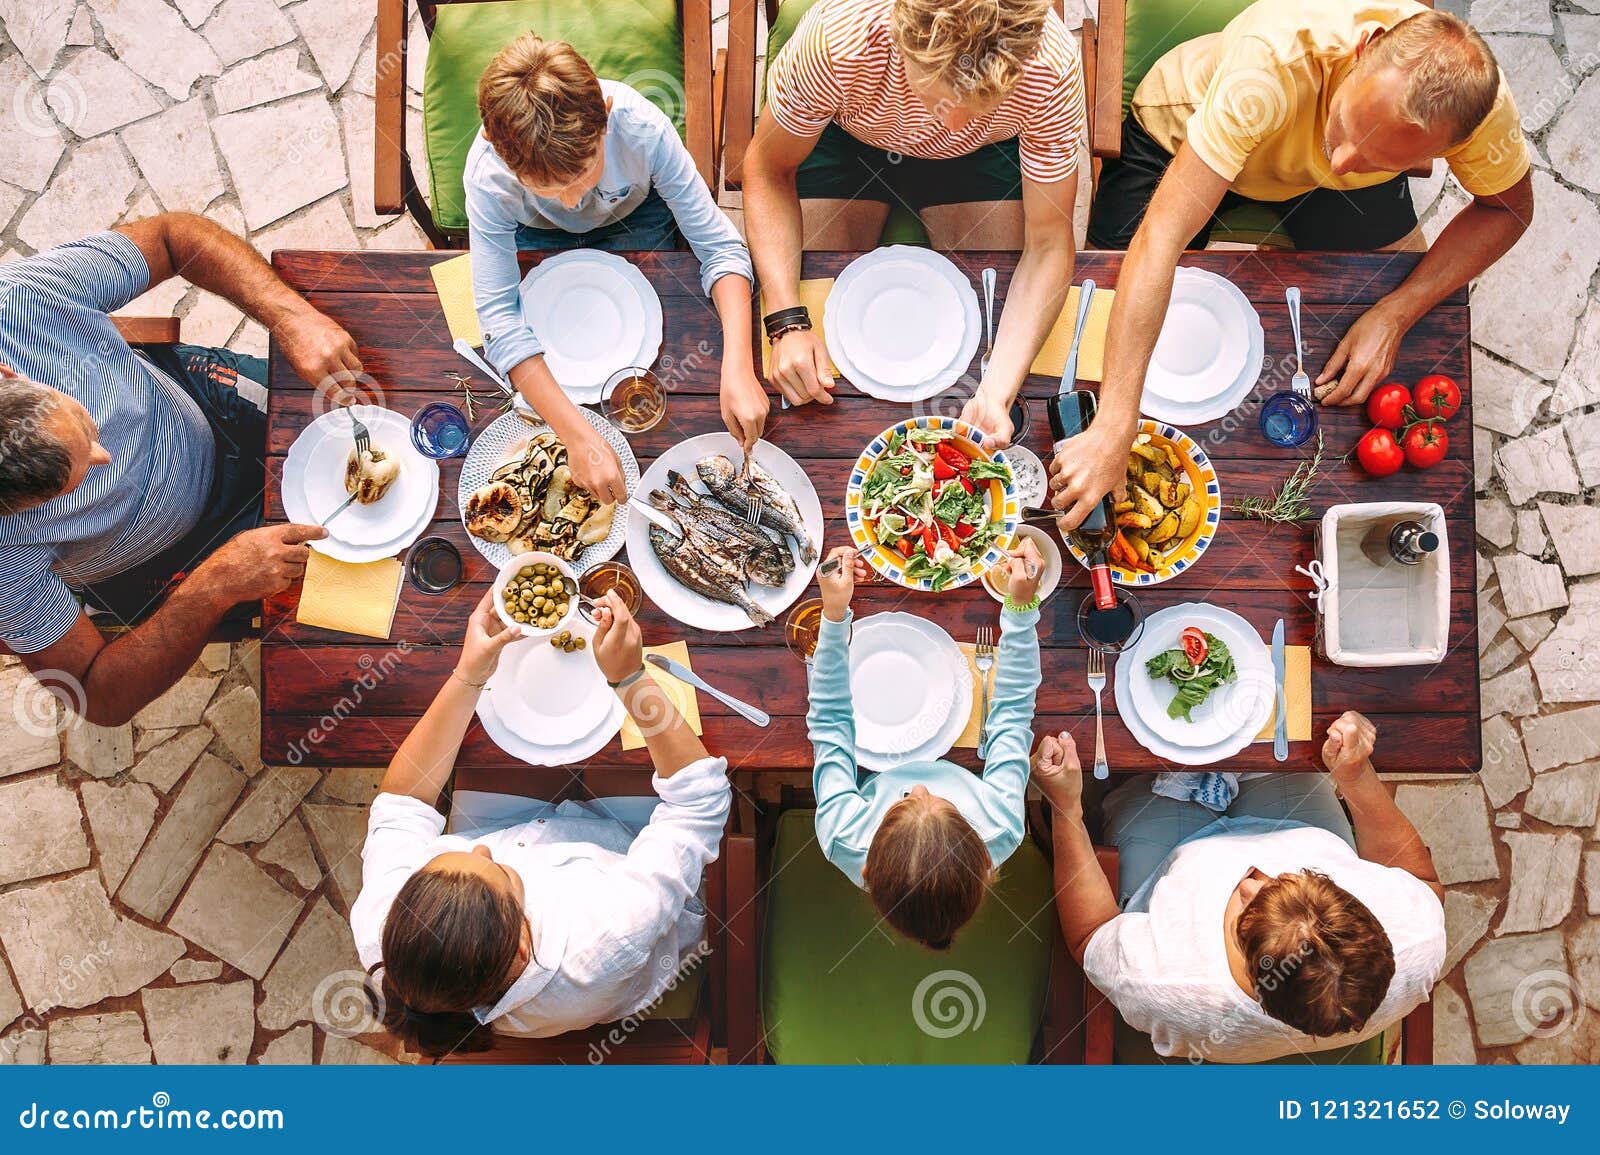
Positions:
(647, 228)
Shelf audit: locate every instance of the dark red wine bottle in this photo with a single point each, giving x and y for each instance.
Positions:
(1070, 415)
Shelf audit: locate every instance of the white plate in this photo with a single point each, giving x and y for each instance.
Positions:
(914, 695)
(672, 596)
(1208, 355)
(1028, 474)
(507, 437)
(535, 754)
(595, 313)
(1048, 549)
(899, 325)
(1228, 720)
(313, 486)
(550, 697)
(934, 264)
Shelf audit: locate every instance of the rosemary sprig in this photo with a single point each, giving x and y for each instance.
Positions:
(1292, 502)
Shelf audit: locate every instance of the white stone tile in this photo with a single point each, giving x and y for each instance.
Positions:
(341, 1052)
(338, 832)
(88, 195)
(116, 1039)
(201, 1023)
(290, 1049)
(23, 1047)
(1560, 739)
(240, 29)
(1535, 464)
(1575, 529)
(282, 157)
(1495, 522)
(120, 818)
(151, 38)
(273, 798)
(290, 849)
(1591, 880)
(1497, 657)
(251, 340)
(189, 970)
(175, 153)
(318, 978)
(1501, 975)
(1544, 879)
(1510, 693)
(81, 32)
(1511, 16)
(1571, 145)
(1538, 81)
(160, 301)
(11, 199)
(1578, 385)
(1452, 1030)
(325, 225)
(196, 11)
(236, 717)
(181, 705)
(1528, 586)
(233, 910)
(170, 855)
(1569, 796)
(1583, 434)
(262, 80)
(334, 34)
(357, 786)
(101, 751)
(1466, 921)
(68, 948)
(1532, 630)
(96, 93)
(163, 766)
(403, 235)
(1567, 663)
(1491, 619)
(1505, 765)
(211, 320)
(1583, 41)
(41, 829)
(1531, 538)
(29, 138)
(216, 656)
(30, 732)
(1454, 823)
(1483, 449)
(37, 28)
(355, 118)
(1508, 820)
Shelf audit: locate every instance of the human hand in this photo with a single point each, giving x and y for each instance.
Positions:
(839, 586)
(744, 405)
(322, 353)
(618, 646)
(1347, 752)
(1363, 358)
(992, 415)
(1058, 774)
(801, 367)
(1086, 468)
(595, 466)
(486, 636)
(259, 563)
(1025, 571)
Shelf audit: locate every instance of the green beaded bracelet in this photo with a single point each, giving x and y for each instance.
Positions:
(1015, 608)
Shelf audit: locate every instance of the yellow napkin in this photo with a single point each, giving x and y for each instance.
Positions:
(1052, 356)
(452, 280)
(1296, 695)
(354, 599)
(969, 736)
(813, 295)
(681, 693)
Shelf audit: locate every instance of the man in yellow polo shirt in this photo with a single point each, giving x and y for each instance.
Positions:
(1319, 107)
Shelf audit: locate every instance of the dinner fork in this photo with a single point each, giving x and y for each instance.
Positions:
(753, 509)
(983, 658)
(363, 440)
(1300, 383)
(1097, 683)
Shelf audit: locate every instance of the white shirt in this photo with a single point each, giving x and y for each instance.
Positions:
(611, 923)
(1165, 967)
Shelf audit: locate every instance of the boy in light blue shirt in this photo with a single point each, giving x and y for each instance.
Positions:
(924, 839)
(566, 160)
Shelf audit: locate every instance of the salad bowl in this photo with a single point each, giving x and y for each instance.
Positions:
(928, 507)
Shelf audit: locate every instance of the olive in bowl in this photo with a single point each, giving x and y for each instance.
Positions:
(536, 594)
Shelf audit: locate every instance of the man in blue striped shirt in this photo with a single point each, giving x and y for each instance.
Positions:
(120, 470)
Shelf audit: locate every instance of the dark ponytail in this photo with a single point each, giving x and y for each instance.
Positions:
(449, 942)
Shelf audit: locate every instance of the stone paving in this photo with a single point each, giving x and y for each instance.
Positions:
(166, 898)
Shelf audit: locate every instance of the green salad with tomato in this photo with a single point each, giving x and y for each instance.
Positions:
(1200, 664)
(926, 499)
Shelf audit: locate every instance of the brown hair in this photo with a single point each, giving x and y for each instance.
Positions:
(976, 48)
(1321, 960)
(448, 944)
(1452, 80)
(927, 872)
(542, 109)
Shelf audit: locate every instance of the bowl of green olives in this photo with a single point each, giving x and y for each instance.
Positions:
(536, 593)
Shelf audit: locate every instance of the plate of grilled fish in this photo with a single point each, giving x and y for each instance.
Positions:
(712, 557)
(517, 495)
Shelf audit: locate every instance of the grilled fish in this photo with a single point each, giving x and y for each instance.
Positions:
(771, 562)
(706, 572)
(760, 563)
(778, 510)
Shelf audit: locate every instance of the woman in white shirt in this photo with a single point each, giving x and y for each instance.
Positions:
(565, 917)
(1272, 930)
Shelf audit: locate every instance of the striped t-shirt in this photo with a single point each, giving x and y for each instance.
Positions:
(55, 329)
(841, 66)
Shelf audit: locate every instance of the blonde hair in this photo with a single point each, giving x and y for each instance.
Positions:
(542, 109)
(1452, 80)
(927, 872)
(977, 48)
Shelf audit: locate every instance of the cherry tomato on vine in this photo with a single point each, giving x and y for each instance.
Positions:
(1437, 396)
(1386, 406)
(1426, 443)
(1379, 453)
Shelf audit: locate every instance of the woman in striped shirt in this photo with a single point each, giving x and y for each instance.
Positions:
(968, 111)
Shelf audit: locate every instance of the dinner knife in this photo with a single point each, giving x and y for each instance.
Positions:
(1069, 371)
(655, 516)
(684, 674)
(1280, 738)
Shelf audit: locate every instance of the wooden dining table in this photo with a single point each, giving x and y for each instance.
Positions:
(320, 684)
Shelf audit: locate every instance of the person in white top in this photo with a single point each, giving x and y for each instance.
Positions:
(575, 915)
(1270, 931)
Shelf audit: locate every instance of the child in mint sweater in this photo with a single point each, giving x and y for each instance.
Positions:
(924, 839)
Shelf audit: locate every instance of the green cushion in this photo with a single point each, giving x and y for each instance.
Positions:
(903, 227)
(1253, 223)
(1153, 27)
(839, 986)
(639, 43)
(1134, 1048)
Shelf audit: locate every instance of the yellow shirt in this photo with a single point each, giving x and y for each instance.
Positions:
(1252, 101)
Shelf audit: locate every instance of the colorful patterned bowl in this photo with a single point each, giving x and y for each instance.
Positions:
(1004, 505)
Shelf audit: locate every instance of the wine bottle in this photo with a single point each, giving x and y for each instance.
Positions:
(1405, 542)
(1070, 414)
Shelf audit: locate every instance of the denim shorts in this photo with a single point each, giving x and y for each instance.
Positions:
(648, 228)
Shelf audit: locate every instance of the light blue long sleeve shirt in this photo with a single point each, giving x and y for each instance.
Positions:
(642, 150)
(850, 810)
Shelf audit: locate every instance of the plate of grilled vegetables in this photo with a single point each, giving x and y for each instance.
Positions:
(702, 559)
(1170, 512)
(517, 495)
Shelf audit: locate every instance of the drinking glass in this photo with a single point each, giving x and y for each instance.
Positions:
(604, 577)
(1288, 419)
(802, 628)
(1114, 630)
(433, 565)
(634, 400)
(440, 430)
